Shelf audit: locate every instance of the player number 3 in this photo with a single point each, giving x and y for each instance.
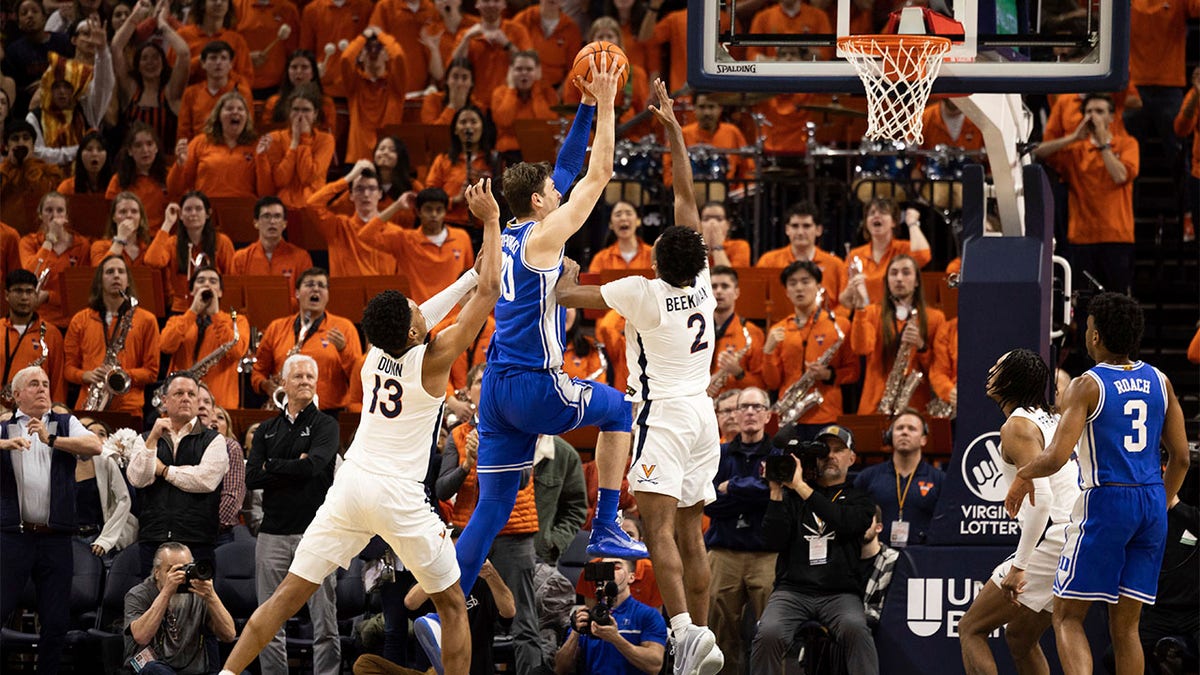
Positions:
(1136, 442)
(390, 406)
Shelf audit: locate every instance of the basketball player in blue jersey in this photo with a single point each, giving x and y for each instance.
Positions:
(524, 391)
(1114, 544)
(379, 488)
(677, 445)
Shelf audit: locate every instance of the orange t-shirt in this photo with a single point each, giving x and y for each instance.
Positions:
(163, 254)
(671, 30)
(294, 174)
(584, 367)
(258, 22)
(877, 269)
(610, 332)
(85, 347)
(374, 104)
(738, 252)
(508, 107)
(321, 23)
(490, 61)
(452, 178)
(726, 136)
(179, 339)
(773, 19)
(403, 23)
(804, 345)
(35, 259)
(215, 169)
(644, 55)
(787, 133)
(196, 38)
(429, 267)
(1101, 210)
(943, 374)
(153, 195)
(1158, 40)
(866, 339)
(102, 248)
(27, 347)
(938, 133)
(556, 50)
(833, 271)
(610, 258)
(336, 368)
(287, 260)
(1066, 112)
(198, 102)
(733, 339)
(435, 111)
(1189, 123)
(348, 255)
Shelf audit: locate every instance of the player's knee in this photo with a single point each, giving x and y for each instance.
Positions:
(1020, 638)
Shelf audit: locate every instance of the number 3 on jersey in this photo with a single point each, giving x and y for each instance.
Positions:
(699, 343)
(390, 406)
(1136, 442)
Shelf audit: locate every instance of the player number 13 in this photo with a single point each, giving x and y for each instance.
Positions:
(391, 405)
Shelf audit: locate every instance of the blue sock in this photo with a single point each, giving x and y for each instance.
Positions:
(497, 496)
(606, 508)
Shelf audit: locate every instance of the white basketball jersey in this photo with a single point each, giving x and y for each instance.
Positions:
(668, 334)
(400, 420)
(1064, 483)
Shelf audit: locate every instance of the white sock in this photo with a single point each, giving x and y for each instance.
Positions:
(227, 672)
(680, 622)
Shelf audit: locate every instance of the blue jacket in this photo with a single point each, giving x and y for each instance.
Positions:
(62, 484)
(736, 516)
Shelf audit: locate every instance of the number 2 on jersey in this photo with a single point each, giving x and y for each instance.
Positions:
(391, 406)
(699, 343)
(1136, 442)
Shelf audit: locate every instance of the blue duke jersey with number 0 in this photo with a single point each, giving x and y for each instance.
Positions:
(530, 325)
(400, 420)
(1120, 443)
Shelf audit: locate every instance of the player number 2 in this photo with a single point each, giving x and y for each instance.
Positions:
(1136, 442)
(390, 406)
(699, 343)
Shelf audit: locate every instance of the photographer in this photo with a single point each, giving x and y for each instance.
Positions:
(625, 636)
(165, 616)
(817, 526)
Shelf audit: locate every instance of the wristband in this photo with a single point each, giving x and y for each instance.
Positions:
(1106, 146)
(716, 248)
(120, 241)
(50, 441)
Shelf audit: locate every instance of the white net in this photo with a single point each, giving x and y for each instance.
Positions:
(898, 72)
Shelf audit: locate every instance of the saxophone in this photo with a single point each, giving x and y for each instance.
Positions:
(278, 399)
(115, 380)
(803, 395)
(943, 409)
(6, 394)
(900, 386)
(719, 378)
(200, 368)
(603, 369)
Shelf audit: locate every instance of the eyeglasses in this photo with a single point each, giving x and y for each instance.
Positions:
(726, 411)
(314, 284)
(752, 407)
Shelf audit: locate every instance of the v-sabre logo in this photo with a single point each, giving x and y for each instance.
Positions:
(927, 605)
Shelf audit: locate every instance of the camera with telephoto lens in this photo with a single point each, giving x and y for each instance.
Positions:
(781, 469)
(201, 570)
(603, 574)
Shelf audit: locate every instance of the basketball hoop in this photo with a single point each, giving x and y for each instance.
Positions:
(898, 72)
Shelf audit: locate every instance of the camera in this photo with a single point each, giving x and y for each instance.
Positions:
(603, 574)
(779, 468)
(201, 570)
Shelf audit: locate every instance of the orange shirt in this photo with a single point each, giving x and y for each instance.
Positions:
(348, 255)
(866, 339)
(336, 368)
(588, 367)
(522, 520)
(321, 23)
(954, 266)
(354, 396)
(806, 344)
(34, 177)
(198, 102)
(725, 135)
(196, 38)
(35, 259)
(731, 338)
(22, 349)
(671, 30)
(1189, 123)
(67, 187)
(610, 258)
(435, 111)
(342, 206)
(374, 104)
(558, 49)
(773, 19)
(153, 195)
(429, 267)
(834, 276)
(738, 252)
(325, 123)
(215, 169)
(610, 332)
(294, 174)
(490, 61)
(787, 133)
(85, 345)
(508, 107)
(877, 269)
(102, 248)
(937, 133)
(644, 55)
(452, 177)
(1066, 112)
(1100, 210)
(1158, 40)
(10, 248)
(943, 374)
(287, 259)
(399, 20)
(179, 339)
(258, 21)
(163, 254)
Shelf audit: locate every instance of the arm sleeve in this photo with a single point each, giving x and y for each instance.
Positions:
(436, 308)
(570, 157)
(451, 477)
(1036, 517)
(205, 476)
(140, 471)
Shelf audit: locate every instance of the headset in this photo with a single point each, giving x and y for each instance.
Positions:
(887, 433)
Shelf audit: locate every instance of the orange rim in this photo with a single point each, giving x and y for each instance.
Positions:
(878, 45)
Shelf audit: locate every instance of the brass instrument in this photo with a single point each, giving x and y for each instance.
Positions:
(943, 409)
(6, 394)
(803, 395)
(900, 383)
(246, 365)
(200, 368)
(603, 369)
(41, 282)
(717, 382)
(278, 399)
(115, 380)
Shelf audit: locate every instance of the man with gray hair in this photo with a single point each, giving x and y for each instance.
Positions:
(291, 461)
(165, 615)
(37, 507)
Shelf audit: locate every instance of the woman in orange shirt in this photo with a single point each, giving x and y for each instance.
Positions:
(394, 170)
(220, 163)
(628, 252)
(868, 263)
(297, 158)
(471, 158)
(301, 70)
(55, 247)
(142, 170)
(92, 168)
(581, 358)
(457, 93)
(211, 20)
(198, 244)
(127, 234)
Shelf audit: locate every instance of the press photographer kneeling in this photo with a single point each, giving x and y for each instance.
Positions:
(618, 634)
(817, 526)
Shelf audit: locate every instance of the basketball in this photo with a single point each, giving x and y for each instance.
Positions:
(581, 67)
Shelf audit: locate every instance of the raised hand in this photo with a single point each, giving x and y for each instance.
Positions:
(604, 77)
(481, 201)
(665, 110)
(170, 217)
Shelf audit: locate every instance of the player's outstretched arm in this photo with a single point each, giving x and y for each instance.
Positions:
(686, 212)
(1080, 399)
(452, 341)
(571, 294)
(547, 240)
(1021, 442)
(1174, 438)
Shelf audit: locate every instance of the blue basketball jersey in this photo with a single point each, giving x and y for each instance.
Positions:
(1120, 443)
(529, 323)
